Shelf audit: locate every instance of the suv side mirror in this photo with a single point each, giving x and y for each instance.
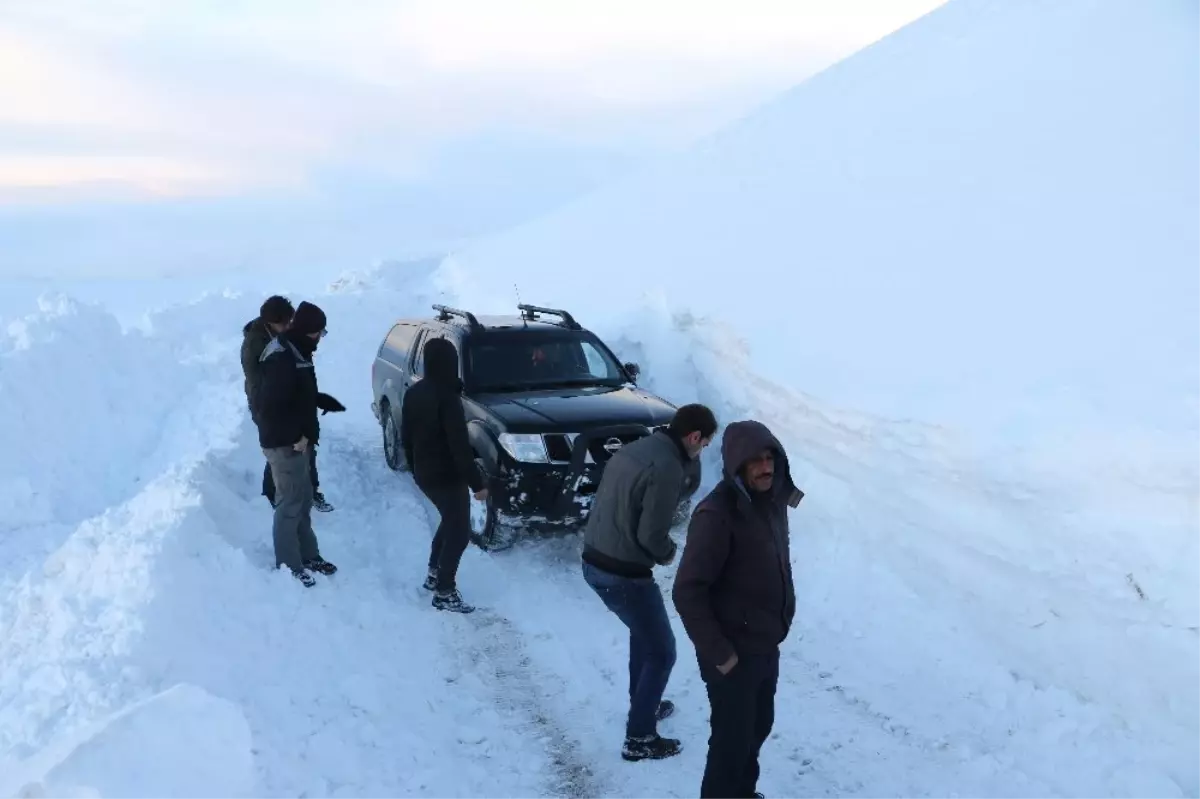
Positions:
(634, 370)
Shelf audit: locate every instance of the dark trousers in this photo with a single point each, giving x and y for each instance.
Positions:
(268, 483)
(638, 603)
(453, 532)
(742, 714)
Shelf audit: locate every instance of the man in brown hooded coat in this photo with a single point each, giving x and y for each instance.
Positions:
(735, 596)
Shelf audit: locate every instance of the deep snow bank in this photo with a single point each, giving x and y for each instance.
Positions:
(987, 219)
(101, 430)
(180, 742)
(92, 415)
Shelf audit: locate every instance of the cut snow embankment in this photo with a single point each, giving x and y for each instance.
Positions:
(102, 431)
(181, 742)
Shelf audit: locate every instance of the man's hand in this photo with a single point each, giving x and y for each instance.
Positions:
(481, 494)
(728, 665)
(328, 404)
(670, 558)
(301, 445)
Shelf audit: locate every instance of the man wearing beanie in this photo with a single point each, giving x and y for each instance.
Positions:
(286, 413)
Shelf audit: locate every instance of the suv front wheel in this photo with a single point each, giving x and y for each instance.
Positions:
(392, 451)
(483, 516)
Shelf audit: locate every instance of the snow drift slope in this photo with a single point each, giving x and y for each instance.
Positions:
(987, 218)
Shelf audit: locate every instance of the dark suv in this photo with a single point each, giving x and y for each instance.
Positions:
(547, 404)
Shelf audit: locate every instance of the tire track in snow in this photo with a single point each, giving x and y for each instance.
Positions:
(519, 690)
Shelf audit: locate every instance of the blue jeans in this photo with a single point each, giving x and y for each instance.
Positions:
(638, 603)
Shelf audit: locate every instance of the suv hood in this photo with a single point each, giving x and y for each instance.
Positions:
(573, 410)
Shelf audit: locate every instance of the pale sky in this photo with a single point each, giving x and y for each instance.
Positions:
(174, 98)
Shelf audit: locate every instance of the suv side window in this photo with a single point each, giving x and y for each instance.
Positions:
(418, 368)
(430, 335)
(456, 339)
(399, 340)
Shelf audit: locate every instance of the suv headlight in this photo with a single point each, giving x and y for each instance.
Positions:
(525, 447)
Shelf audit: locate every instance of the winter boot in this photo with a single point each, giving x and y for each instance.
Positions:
(305, 578)
(452, 601)
(666, 709)
(320, 504)
(319, 564)
(431, 578)
(650, 747)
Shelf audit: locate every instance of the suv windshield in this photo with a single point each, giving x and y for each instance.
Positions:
(523, 362)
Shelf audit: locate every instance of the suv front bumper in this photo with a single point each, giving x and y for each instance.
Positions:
(561, 493)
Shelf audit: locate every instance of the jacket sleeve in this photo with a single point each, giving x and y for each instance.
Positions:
(454, 423)
(276, 386)
(660, 497)
(251, 371)
(703, 560)
(406, 444)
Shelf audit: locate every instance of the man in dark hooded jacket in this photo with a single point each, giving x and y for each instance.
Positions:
(433, 435)
(735, 596)
(285, 409)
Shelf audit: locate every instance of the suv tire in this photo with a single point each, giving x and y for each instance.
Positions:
(393, 453)
(484, 516)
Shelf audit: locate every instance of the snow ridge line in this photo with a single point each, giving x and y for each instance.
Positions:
(517, 688)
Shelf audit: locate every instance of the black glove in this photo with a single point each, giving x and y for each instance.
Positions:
(328, 404)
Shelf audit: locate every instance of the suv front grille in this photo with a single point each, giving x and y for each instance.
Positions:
(600, 454)
(560, 445)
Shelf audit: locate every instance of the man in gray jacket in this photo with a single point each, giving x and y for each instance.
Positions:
(626, 536)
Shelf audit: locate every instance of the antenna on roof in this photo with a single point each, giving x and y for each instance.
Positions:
(530, 314)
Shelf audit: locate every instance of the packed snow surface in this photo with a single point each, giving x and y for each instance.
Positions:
(955, 274)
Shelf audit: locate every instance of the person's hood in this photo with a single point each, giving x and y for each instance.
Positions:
(441, 363)
(257, 334)
(741, 442)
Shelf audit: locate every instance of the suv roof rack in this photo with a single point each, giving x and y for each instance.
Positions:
(445, 312)
(530, 314)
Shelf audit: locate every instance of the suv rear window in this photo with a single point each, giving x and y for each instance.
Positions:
(524, 362)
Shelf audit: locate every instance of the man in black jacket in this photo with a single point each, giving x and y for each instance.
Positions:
(627, 535)
(433, 435)
(286, 412)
